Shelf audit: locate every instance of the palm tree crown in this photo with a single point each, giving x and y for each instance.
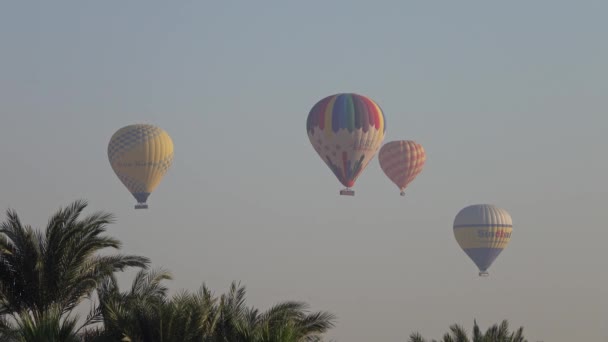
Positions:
(58, 267)
(146, 314)
(496, 333)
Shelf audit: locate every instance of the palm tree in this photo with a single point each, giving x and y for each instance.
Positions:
(286, 321)
(45, 274)
(145, 314)
(496, 333)
(135, 315)
(52, 326)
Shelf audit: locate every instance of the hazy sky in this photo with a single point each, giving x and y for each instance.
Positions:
(509, 100)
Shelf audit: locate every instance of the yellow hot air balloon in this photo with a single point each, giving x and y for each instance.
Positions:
(140, 155)
(483, 231)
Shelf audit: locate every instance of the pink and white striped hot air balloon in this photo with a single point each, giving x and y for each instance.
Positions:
(402, 161)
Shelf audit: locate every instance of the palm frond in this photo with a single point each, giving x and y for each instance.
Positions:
(416, 337)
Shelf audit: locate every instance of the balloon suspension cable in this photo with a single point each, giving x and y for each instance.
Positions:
(347, 192)
(484, 274)
(141, 206)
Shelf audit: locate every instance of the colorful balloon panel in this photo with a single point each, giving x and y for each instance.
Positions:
(346, 130)
(140, 155)
(402, 161)
(483, 231)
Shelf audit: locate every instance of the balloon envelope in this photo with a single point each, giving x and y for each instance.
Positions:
(346, 130)
(140, 155)
(483, 231)
(402, 161)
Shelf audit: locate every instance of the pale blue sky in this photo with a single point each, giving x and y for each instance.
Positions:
(508, 99)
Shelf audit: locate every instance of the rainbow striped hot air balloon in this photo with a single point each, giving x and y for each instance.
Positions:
(483, 231)
(346, 130)
(140, 155)
(402, 161)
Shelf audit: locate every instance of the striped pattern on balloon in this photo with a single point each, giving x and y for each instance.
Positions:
(402, 161)
(483, 231)
(346, 130)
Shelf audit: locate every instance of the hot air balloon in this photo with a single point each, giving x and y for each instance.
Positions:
(140, 155)
(483, 231)
(346, 130)
(402, 161)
